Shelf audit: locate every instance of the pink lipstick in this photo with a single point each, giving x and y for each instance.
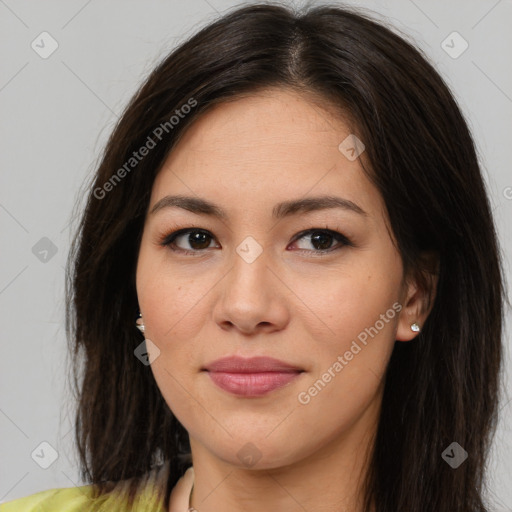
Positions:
(251, 377)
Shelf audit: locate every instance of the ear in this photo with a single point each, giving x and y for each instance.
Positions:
(418, 295)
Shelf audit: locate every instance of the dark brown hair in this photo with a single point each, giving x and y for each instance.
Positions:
(441, 388)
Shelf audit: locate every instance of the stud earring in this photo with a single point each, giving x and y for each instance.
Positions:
(415, 327)
(140, 324)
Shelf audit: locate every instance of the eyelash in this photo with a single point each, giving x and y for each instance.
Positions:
(167, 240)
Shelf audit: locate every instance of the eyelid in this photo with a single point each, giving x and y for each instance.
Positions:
(335, 233)
(168, 239)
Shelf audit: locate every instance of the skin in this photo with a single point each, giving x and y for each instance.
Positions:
(247, 155)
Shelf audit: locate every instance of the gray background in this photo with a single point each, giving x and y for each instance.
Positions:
(56, 115)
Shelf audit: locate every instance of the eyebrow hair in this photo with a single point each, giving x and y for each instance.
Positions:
(280, 210)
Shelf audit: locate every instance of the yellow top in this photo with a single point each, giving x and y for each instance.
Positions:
(78, 499)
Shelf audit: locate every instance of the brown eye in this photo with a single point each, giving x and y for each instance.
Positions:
(197, 240)
(322, 239)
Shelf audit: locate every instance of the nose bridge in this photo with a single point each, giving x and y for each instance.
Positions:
(250, 268)
(249, 297)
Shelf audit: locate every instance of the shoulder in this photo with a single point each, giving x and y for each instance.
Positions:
(65, 500)
(80, 499)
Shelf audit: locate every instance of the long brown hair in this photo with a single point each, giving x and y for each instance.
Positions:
(439, 389)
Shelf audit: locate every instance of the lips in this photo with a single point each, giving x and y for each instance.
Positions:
(251, 377)
(235, 364)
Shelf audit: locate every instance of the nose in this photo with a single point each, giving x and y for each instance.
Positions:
(252, 299)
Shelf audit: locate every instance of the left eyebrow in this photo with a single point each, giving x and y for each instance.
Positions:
(284, 209)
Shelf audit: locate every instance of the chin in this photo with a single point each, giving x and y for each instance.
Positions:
(264, 454)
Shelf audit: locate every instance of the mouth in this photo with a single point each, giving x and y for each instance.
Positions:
(251, 377)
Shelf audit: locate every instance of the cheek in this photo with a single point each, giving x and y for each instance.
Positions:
(359, 316)
(349, 369)
(338, 306)
(170, 298)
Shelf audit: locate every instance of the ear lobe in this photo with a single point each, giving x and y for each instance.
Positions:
(410, 315)
(420, 293)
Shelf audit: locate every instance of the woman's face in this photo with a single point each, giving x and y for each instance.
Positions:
(255, 283)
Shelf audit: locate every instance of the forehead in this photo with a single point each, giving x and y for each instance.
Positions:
(264, 148)
(277, 119)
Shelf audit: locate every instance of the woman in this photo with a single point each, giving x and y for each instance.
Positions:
(286, 289)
